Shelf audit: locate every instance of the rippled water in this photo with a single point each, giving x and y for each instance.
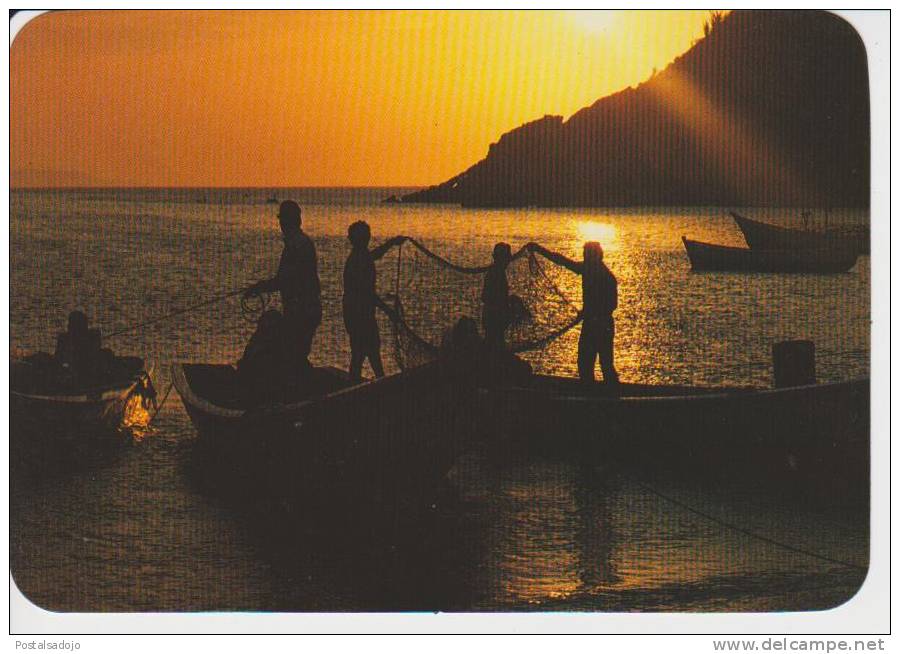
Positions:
(134, 531)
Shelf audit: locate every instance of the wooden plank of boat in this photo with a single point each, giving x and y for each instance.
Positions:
(396, 435)
(72, 409)
(707, 257)
(688, 428)
(838, 241)
(64, 428)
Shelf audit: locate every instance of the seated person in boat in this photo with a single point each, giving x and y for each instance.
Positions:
(79, 352)
(297, 280)
(466, 353)
(360, 299)
(263, 370)
(600, 296)
(495, 314)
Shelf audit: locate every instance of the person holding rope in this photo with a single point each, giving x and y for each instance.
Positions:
(600, 297)
(297, 280)
(495, 314)
(361, 298)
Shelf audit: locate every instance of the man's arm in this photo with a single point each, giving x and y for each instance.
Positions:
(381, 250)
(263, 286)
(555, 257)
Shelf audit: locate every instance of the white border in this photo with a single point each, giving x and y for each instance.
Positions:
(866, 613)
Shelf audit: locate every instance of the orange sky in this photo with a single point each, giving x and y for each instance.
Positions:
(214, 98)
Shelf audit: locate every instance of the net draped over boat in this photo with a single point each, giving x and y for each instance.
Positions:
(429, 294)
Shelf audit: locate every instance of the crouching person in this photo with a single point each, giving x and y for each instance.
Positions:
(262, 371)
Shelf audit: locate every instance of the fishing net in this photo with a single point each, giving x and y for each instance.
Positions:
(428, 294)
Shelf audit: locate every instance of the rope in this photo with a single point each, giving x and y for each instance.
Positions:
(749, 533)
(251, 313)
(466, 270)
(180, 312)
(535, 264)
(549, 338)
(399, 323)
(159, 406)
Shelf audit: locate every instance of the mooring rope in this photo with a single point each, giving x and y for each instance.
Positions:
(748, 533)
(160, 404)
(174, 314)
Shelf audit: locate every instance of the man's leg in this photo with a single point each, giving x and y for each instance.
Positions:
(587, 352)
(605, 347)
(356, 363)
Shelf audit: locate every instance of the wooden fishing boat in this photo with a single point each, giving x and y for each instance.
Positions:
(63, 409)
(58, 424)
(709, 257)
(841, 242)
(395, 437)
(679, 428)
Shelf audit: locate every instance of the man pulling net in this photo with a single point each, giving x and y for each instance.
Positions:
(523, 302)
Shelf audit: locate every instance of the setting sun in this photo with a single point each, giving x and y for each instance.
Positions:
(603, 233)
(594, 20)
(268, 97)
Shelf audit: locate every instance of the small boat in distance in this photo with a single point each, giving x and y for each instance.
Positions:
(710, 257)
(384, 442)
(764, 236)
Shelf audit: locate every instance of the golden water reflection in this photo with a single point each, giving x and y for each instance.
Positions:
(136, 418)
(550, 538)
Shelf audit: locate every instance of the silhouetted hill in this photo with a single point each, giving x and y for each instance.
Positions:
(770, 108)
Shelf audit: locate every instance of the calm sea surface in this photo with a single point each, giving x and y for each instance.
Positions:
(134, 532)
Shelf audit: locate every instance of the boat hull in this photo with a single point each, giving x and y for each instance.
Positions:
(54, 432)
(707, 257)
(390, 440)
(818, 432)
(763, 236)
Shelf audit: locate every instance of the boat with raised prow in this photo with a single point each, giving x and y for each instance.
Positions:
(834, 242)
(387, 440)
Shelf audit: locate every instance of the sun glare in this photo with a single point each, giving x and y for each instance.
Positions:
(594, 20)
(603, 233)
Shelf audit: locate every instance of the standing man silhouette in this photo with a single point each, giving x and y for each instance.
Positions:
(297, 280)
(360, 299)
(600, 297)
(495, 313)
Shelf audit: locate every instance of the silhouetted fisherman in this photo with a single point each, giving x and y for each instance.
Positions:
(298, 282)
(360, 299)
(600, 295)
(80, 356)
(262, 369)
(78, 348)
(496, 314)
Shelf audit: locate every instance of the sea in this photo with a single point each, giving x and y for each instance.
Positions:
(135, 531)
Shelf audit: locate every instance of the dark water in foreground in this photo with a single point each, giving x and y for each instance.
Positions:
(134, 531)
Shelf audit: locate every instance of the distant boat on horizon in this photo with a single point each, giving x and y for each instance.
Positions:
(707, 257)
(764, 236)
